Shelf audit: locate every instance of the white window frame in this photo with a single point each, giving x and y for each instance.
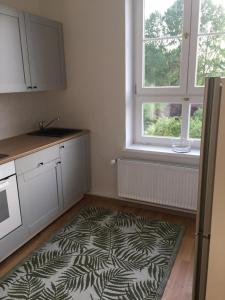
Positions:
(165, 141)
(186, 91)
(192, 89)
(195, 23)
(141, 90)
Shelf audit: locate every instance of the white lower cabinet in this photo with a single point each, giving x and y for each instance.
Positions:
(74, 155)
(50, 181)
(40, 189)
(40, 195)
(12, 242)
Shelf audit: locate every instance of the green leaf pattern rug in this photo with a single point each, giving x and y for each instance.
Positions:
(99, 255)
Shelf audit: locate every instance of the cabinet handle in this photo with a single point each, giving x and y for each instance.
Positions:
(35, 87)
(62, 147)
(29, 87)
(40, 164)
(58, 163)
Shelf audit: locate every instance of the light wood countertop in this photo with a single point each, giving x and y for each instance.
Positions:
(23, 145)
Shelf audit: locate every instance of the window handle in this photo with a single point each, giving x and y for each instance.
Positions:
(186, 35)
(186, 99)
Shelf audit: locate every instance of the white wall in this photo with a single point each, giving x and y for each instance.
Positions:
(20, 113)
(94, 46)
(94, 32)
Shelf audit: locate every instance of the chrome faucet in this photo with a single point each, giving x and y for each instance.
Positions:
(43, 126)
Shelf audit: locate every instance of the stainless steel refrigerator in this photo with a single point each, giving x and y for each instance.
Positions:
(209, 277)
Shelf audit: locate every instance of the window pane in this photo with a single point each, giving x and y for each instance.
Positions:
(162, 63)
(210, 57)
(212, 16)
(163, 18)
(162, 119)
(196, 114)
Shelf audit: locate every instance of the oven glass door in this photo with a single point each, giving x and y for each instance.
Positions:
(10, 217)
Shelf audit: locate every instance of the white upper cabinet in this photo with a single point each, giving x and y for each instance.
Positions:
(46, 55)
(31, 53)
(14, 67)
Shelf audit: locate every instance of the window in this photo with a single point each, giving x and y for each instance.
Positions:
(162, 45)
(162, 119)
(178, 44)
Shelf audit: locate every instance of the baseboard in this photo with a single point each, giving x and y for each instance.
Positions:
(144, 205)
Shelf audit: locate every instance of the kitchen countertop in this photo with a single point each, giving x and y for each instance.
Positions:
(23, 145)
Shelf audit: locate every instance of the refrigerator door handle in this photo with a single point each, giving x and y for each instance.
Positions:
(206, 236)
(197, 234)
(202, 235)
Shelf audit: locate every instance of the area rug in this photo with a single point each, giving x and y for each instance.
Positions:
(100, 255)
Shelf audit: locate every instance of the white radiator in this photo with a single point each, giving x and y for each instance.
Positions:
(158, 183)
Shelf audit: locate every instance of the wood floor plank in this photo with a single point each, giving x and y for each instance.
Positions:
(179, 286)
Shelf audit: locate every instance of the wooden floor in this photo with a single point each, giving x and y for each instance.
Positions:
(179, 286)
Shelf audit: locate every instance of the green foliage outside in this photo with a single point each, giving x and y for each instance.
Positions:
(211, 59)
(162, 62)
(169, 126)
(162, 57)
(163, 124)
(196, 124)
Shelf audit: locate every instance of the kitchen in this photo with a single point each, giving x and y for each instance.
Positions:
(87, 88)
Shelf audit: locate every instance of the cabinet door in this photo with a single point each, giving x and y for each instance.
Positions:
(75, 169)
(40, 196)
(13, 241)
(14, 67)
(46, 55)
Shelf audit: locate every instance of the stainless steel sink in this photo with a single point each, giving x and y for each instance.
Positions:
(55, 132)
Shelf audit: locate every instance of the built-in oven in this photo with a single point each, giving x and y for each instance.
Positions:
(10, 215)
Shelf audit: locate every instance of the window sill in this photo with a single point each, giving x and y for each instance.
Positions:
(165, 153)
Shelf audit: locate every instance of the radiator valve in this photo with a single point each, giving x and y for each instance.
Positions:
(113, 162)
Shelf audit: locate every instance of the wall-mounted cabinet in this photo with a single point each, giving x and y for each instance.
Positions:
(31, 53)
(46, 53)
(14, 67)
